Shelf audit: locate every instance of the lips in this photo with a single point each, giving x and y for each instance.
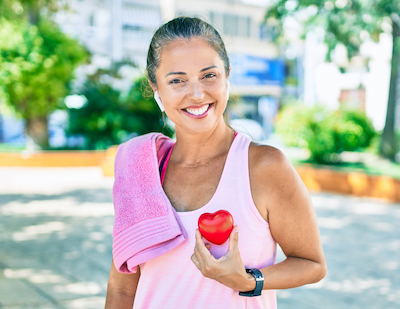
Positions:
(198, 111)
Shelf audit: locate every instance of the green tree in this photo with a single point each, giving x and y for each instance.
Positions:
(37, 62)
(111, 116)
(344, 21)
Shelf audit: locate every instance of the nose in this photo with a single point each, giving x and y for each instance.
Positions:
(196, 92)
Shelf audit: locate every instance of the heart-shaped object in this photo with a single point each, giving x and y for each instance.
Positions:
(216, 227)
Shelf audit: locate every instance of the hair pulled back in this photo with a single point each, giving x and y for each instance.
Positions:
(183, 28)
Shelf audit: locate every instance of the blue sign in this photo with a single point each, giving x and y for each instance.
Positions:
(251, 70)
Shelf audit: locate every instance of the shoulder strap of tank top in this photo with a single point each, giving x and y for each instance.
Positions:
(164, 163)
(237, 160)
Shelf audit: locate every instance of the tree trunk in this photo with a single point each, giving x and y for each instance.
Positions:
(37, 131)
(389, 143)
(33, 9)
(1, 129)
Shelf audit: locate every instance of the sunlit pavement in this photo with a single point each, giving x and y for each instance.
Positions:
(55, 244)
(55, 237)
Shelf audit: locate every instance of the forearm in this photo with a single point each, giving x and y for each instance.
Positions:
(293, 272)
(290, 273)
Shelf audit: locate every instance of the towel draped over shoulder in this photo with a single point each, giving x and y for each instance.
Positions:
(145, 225)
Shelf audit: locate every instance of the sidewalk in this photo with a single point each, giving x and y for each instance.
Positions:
(55, 245)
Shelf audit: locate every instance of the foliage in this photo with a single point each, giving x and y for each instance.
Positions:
(324, 132)
(349, 22)
(343, 21)
(37, 61)
(36, 64)
(112, 116)
(32, 10)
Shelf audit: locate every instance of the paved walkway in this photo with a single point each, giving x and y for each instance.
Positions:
(55, 245)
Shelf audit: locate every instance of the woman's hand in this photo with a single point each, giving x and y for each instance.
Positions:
(229, 269)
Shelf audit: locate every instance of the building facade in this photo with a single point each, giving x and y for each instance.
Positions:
(122, 29)
(115, 30)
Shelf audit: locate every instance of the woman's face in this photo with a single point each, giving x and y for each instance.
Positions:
(191, 83)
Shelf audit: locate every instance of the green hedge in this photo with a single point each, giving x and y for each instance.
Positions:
(325, 132)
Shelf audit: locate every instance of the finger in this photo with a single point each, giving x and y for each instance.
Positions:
(198, 249)
(202, 238)
(206, 243)
(198, 263)
(197, 254)
(197, 242)
(199, 236)
(234, 238)
(200, 246)
(195, 260)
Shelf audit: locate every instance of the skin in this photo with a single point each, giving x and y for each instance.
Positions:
(192, 74)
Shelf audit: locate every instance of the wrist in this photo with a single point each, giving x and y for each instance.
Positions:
(250, 283)
(259, 280)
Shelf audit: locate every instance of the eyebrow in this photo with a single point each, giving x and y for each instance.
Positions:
(183, 73)
(207, 68)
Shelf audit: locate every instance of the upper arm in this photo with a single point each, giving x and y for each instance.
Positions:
(286, 201)
(121, 287)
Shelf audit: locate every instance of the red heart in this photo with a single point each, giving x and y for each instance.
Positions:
(216, 227)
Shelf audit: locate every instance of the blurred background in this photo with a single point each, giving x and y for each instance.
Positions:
(319, 79)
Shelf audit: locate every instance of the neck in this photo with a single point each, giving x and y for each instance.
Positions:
(193, 149)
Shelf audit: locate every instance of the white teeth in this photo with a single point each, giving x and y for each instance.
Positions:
(198, 111)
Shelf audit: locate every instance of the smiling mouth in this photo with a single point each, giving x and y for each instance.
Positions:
(198, 111)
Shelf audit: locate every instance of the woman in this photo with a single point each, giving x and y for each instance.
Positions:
(210, 168)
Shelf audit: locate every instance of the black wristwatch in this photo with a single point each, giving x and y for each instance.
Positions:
(259, 283)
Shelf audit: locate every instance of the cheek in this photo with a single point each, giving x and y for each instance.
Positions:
(173, 96)
(216, 90)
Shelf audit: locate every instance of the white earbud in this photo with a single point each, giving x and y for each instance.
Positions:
(228, 87)
(157, 98)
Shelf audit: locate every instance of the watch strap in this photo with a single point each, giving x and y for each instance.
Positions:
(259, 283)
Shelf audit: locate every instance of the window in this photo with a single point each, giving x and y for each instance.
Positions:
(244, 26)
(217, 21)
(231, 24)
(140, 17)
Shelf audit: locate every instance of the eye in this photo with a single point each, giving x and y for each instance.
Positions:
(175, 81)
(210, 75)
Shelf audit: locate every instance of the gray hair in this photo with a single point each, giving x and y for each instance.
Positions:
(183, 28)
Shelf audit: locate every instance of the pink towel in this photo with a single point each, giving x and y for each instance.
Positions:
(146, 225)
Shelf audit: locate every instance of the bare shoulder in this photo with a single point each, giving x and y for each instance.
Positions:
(273, 179)
(266, 156)
(269, 163)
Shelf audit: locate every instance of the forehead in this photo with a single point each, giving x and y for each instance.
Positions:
(192, 53)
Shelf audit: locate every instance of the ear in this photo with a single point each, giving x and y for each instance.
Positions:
(156, 96)
(152, 86)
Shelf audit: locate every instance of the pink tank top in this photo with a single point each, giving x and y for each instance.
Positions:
(172, 281)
